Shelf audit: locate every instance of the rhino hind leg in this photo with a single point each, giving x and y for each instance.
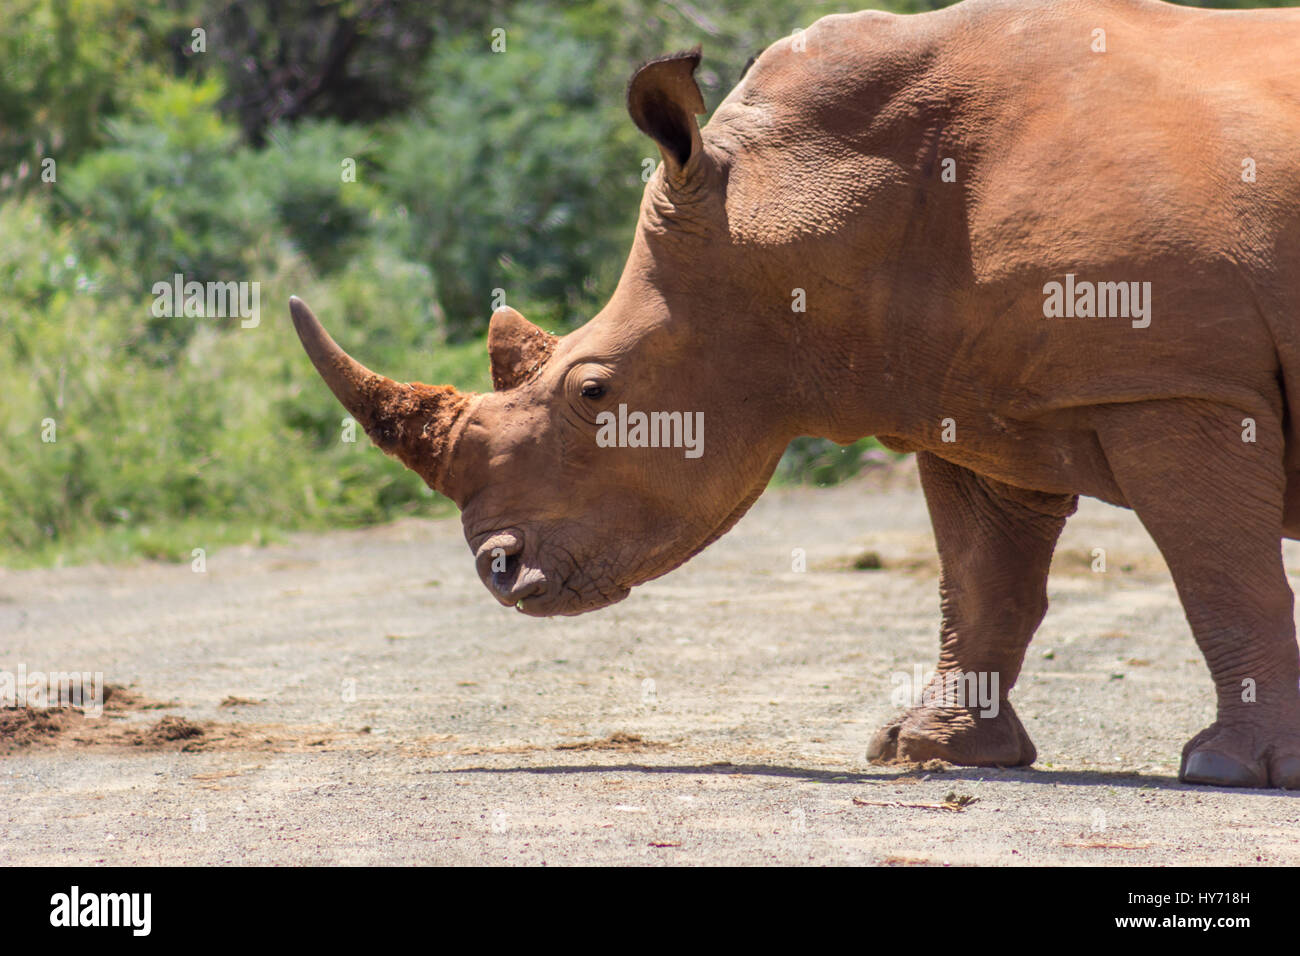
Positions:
(995, 548)
(1214, 505)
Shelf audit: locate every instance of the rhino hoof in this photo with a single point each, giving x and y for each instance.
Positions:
(1285, 772)
(1217, 769)
(955, 735)
(884, 743)
(1263, 753)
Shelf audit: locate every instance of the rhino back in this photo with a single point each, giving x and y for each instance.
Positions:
(1117, 165)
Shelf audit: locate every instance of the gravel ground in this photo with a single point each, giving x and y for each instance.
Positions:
(380, 708)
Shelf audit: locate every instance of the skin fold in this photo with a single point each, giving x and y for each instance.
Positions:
(860, 243)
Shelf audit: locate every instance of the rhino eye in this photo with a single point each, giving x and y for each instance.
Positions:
(593, 390)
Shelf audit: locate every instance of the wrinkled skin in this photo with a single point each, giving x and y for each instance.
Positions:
(822, 171)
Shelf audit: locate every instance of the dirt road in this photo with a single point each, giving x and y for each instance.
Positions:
(379, 707)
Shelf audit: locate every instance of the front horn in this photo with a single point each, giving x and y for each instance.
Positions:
(411, 421)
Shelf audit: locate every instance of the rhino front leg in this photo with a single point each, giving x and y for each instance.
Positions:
(995, 547)
(1213, 503)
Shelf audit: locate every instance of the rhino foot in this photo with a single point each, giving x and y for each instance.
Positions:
(1237, 753)
(958, 735)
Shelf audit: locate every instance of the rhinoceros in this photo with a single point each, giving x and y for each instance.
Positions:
(1053, 249)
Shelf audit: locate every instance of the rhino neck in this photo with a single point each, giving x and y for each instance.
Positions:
(850, 200)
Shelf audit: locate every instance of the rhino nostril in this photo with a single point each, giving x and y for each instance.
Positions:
(498, 554)
(505, 568)
(501, 566)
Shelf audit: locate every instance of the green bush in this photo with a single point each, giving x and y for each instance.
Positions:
(64, 67)
(168, 195)
(518, 175)
(232, 434)
(821, 462)
(301, 178)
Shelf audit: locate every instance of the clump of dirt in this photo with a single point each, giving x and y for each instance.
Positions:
(868, 561)
(118, 699)
(68, 727)
(916, 564)
(615, 741)
(24, 726)
(171, 728)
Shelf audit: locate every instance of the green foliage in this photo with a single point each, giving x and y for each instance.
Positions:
(63, 67)
(517, 176)
(166, 196)
(286, 61)
(820, 462)
(314, 178)
(231, 435)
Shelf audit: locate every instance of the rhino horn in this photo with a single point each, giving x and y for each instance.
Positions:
(517, 348)
(415, 423)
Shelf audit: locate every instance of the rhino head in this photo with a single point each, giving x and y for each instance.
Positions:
(559, 520)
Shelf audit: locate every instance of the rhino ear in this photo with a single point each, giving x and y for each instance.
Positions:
(517, 348)
(663, 100)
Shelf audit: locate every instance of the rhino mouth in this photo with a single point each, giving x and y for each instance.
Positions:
(560, 597)
(568, 603)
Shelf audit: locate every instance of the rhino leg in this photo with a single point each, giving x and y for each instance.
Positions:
(995, 547)
(1213, 503)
